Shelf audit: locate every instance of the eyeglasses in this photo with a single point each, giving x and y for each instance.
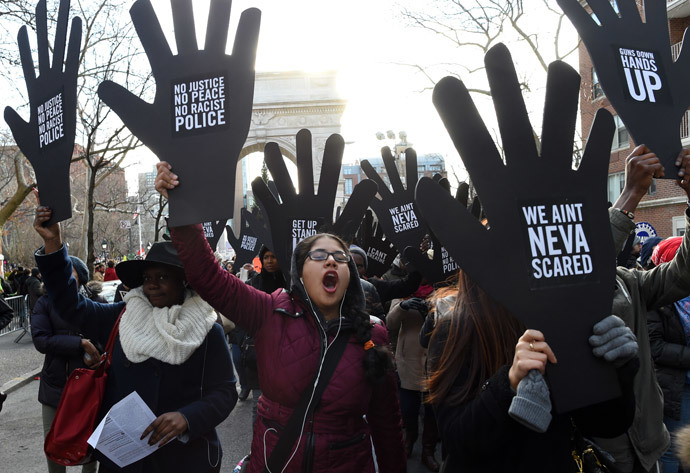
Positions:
(322, 255)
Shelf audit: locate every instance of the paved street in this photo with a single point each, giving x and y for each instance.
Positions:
(21, 433)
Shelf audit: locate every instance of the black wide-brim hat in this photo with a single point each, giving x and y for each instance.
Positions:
(131, 272)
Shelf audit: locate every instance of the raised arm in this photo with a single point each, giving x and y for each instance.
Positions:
(93, 319)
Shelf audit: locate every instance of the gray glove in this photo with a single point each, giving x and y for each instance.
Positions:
(531, 406)
(613, 341)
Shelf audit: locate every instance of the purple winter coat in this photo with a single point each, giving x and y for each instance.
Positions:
(288, 348)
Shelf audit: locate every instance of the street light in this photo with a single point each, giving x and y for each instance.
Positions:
(104, 245)
(398, 148)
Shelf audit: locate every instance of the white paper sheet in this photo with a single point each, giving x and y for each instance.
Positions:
(118, 434)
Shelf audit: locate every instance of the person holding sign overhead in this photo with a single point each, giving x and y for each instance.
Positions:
(169, 349)
(323, 366)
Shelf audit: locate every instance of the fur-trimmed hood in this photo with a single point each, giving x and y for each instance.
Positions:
(354, 296)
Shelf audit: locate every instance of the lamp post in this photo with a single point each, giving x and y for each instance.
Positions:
(398, 148)
(104, 245)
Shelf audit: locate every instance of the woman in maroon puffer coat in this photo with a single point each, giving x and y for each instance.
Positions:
(289, 327)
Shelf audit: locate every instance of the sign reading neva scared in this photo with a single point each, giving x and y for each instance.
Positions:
(201, 113)
(634, 66)
(551, 220)
(558, 246)
(213, 232)
(396, 210)
(47, 139)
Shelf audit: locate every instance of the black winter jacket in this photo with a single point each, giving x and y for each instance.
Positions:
(62, 347)
(671, 356)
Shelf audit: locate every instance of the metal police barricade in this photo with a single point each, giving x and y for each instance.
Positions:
(20, 321)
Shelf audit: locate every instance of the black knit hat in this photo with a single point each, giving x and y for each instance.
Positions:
(131, 272)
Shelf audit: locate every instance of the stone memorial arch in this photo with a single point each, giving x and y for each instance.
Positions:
(284, 103)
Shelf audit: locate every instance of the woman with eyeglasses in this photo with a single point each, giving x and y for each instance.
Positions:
(294, 330)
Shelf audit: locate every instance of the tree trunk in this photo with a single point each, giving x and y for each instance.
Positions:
(88, 214)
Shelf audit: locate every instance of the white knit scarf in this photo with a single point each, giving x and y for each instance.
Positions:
(168, 334)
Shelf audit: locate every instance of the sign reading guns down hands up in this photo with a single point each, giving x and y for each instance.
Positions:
(200, 116)
(551, 219)
(47, 139)
(633, 62)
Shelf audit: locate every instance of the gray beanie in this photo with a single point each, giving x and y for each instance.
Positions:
(359, 251)
(531, 405)
(81, 269)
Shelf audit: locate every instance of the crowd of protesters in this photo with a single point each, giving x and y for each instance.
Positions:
(446, 358)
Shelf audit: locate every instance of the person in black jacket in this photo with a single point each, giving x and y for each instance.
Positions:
(476, 368)
(669, 330)
(65, 350)
(269, 280)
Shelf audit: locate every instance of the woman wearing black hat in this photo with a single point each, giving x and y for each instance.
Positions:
(169, 350)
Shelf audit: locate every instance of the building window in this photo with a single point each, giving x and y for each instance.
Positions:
(621, 138)
(678, 226)
(596, 86)
(652, 188)
(348, 186)
(616, 184)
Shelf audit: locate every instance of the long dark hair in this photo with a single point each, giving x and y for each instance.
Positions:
(480, 335)
(377, 360)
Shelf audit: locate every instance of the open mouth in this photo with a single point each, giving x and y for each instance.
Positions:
(330, 281)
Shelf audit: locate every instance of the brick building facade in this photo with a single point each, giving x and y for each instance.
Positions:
(664, 206)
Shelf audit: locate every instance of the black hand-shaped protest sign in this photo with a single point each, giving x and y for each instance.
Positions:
(47, 140)
(546, 255)
(633, 62)
(397, 211)
(213, 231)
(201, 113)
(300, 215)
(379, 250)
(248, 243)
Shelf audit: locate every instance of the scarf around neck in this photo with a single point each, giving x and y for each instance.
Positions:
(168, 334)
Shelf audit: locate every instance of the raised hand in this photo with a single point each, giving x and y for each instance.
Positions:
(546, 254)
(248, 243)
(47, 139)
(213, 231)
(633, 62)
(397, 211)
(379, 250)
(299, 215)
(201, 113)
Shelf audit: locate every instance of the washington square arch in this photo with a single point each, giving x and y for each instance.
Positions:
(284, 103)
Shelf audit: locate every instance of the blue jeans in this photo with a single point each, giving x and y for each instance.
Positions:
(669, 459)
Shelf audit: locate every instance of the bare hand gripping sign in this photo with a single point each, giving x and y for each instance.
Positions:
(201, 113)
(636, 71)
(560, 277)
(47, 140)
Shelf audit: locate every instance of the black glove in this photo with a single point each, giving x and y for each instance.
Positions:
(47, 140)
(200, 117)
(416, 303)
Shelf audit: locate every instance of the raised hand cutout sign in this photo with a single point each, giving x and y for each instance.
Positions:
(379, 250)
(551, 219)
(213, 231)
(633, 62)
(47, 140)
(299, 215)
(397, 211)
(248, 242)
(201, 113)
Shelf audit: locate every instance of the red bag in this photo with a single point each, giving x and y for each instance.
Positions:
(76, 413)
